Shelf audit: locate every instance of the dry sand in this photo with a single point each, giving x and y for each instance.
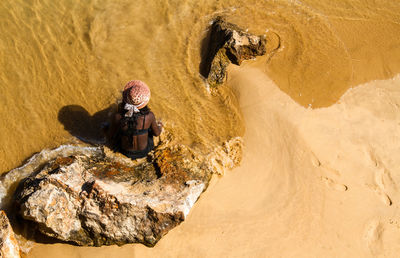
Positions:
(313, 183)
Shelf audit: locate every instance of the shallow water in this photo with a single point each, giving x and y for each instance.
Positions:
(64, 63)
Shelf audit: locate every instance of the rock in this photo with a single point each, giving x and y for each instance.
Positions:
(229, 44)
(9, 247)
(99, 198)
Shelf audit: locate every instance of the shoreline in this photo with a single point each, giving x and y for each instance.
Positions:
(286, 186)
(319, 175)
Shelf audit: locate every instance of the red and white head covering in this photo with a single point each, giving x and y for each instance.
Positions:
(136, 95)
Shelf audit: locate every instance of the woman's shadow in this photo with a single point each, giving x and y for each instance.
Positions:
(87, 128)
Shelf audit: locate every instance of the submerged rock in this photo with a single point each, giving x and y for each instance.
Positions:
(229, 44)
(101, 198)
(9, 247)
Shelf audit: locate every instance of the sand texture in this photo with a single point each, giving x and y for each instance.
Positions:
(312, 182)
(319, 115)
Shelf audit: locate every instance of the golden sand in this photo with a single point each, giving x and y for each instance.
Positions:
(313, 182)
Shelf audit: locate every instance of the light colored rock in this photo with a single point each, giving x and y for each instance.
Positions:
(9, 247)
(102, 198)
(94, 203)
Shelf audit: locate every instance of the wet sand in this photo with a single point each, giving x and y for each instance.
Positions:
(316, 182)
(313, 182)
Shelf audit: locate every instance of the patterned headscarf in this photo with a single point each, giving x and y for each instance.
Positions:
(136, 95)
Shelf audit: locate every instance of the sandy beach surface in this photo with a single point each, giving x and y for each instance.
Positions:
(313, 183)
(319, 115)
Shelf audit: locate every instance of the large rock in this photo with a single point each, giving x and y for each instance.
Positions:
(9, 247)
(100, 198)
(229, 44)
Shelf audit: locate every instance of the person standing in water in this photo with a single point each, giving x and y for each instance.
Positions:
(134, 125)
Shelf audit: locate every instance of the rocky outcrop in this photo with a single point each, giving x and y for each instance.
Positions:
(229, 44)
(98, 197)
(9, 247)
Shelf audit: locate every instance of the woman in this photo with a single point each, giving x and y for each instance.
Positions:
(134, 125)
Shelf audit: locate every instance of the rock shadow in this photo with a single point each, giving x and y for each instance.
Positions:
(205, 55)
(87, 128)
(30, 231)
(209, 47)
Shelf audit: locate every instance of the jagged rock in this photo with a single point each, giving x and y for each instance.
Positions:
(98, 200)
(9, 247)
(229, 44)
(98, 197)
